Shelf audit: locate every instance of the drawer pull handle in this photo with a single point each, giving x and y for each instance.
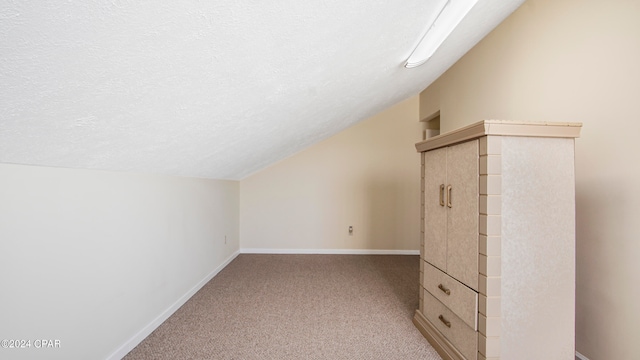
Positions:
(441, 194)
(444, 321)
(444, 289)
(449, 196)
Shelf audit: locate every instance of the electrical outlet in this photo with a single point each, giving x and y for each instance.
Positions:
(350, 230)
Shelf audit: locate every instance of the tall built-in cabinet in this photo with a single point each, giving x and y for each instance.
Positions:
(497, 269)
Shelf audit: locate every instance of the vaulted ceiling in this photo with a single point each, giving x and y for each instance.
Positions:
(212, 89)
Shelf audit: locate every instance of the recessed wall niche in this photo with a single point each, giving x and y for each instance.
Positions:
(431, 125)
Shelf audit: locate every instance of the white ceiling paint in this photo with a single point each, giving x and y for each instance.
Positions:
(212, 89)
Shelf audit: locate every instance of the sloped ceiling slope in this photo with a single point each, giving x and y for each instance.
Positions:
(212, 89)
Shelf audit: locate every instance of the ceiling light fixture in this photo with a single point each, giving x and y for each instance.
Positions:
(450, 15)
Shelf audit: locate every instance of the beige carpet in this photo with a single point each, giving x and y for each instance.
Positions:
(298, 307)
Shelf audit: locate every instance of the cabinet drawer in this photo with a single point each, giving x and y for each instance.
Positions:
(464, 338)
(460, 299)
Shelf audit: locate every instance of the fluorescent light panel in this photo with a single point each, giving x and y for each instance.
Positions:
(447, 15)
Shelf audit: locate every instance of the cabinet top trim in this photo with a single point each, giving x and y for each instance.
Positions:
(502, 128)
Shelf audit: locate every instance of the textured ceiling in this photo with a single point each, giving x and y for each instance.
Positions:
(213, 89)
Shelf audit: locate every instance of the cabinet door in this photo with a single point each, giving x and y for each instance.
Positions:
(462, 220)
(435, 230)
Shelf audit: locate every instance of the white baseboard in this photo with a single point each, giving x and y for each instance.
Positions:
(330, 251)
(581, 357)
(142, 334)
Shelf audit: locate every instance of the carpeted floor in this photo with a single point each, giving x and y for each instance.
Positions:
(298, 307)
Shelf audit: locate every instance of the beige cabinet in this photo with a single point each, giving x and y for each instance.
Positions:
(498, 241)
(451, 211)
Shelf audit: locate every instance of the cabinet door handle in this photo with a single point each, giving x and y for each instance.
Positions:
(444, 289)
(444, 321)
(441, 194)
(449, 195)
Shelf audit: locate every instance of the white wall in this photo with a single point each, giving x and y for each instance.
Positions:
(572, 60)
(91, 258)
(367, 176)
